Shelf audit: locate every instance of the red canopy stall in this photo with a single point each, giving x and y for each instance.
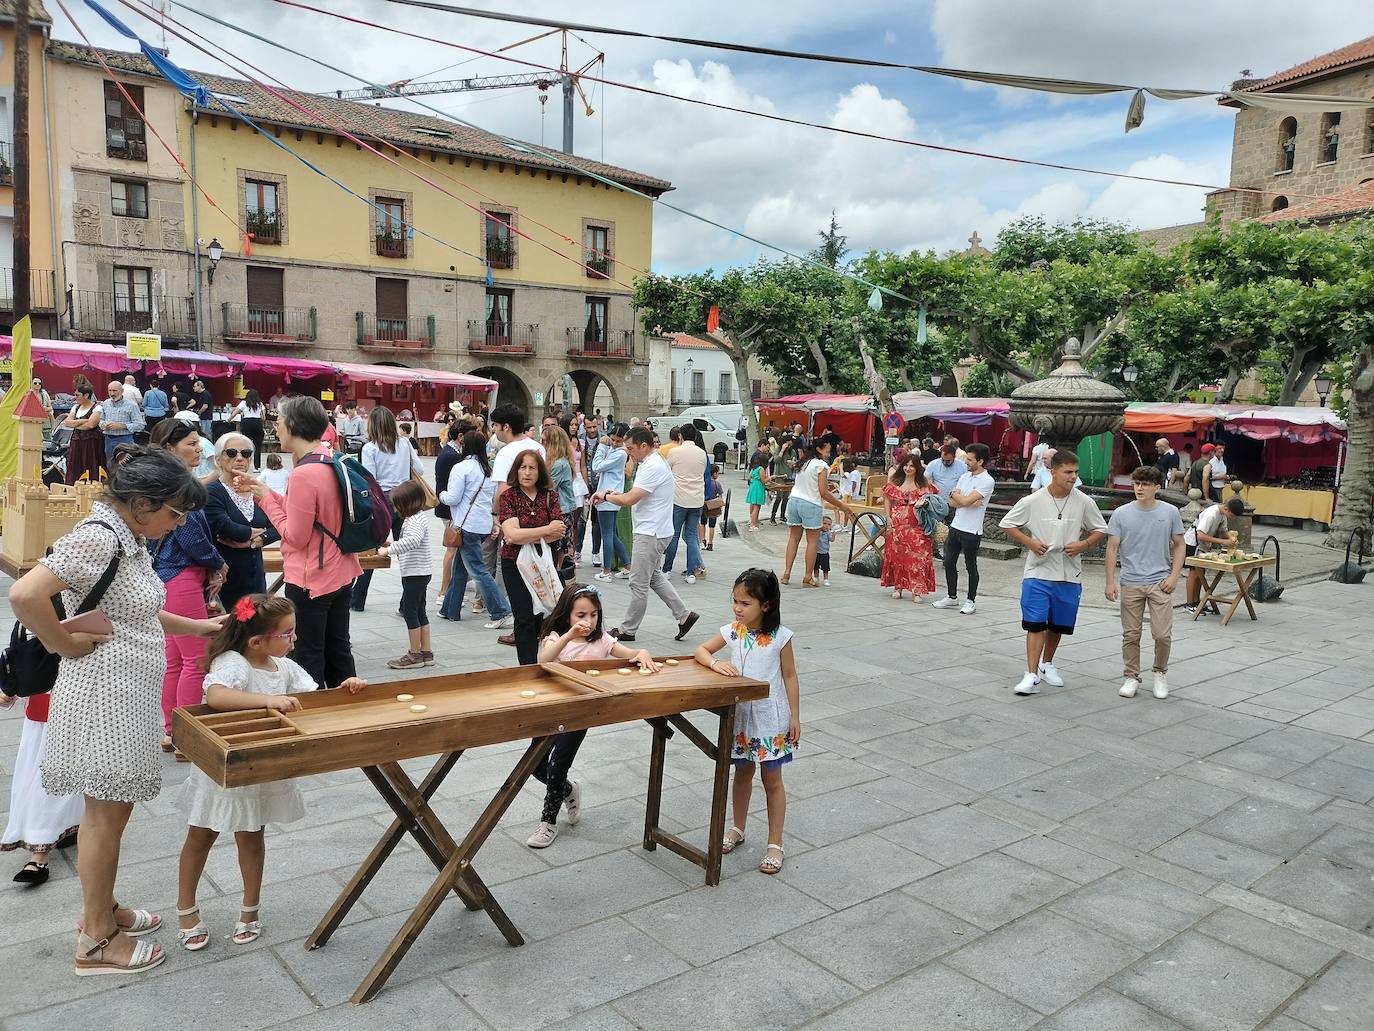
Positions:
(852, 417)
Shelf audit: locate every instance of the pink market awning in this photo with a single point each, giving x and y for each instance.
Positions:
(919, 404)
(78, 354)
(854, 403)
(205, 364)
(287, 368)
(401, 374)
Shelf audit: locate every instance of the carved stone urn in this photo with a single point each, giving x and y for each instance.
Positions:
(1068, 404)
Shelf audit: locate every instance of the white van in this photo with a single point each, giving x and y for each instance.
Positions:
(719, 426)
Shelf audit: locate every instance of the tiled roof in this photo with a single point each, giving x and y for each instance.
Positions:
(37, 12)
(693, 342)
(1357, 200)
(1351, 55)
(361, 119)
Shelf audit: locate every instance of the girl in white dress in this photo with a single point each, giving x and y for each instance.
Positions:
(247, 669)
(767, 731)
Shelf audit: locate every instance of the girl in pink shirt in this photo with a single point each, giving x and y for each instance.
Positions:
(573, 631)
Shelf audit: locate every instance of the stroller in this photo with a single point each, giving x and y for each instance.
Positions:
(55, 456)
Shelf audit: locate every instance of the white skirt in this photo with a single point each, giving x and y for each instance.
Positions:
(208, 805)
(37, 820)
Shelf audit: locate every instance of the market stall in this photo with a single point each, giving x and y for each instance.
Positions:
(971, 419)
(852, 417)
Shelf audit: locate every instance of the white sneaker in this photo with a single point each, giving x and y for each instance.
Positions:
(946, 603)
(969, 608)
(603, 576)
(573, 803)
(826, 582)
(1050, 675)
(504, 623)
(596, 561)
(1129, 686)
(688, 578)
(543, 836)
(1161, 686)
(1030, 684)
(624, 574)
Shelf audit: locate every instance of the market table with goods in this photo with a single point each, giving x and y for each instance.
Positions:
(386, 723)
(1214, 567)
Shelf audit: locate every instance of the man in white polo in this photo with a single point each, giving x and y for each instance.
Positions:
(651, 504)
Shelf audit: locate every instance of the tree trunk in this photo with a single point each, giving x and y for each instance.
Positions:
(872, 376)
(739, 357)
(822, 366)
(1353, 508)
(1228, 385)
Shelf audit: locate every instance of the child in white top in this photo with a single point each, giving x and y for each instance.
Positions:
(274, 475)
(573, 631)
(767, 731)
(851, 485)
(413, 555)
(247, 669)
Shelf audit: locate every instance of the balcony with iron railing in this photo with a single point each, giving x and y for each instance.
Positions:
(488, 336)
(264, 225)
(276, 327)
(599, 265)
(6, 168)
(97, 315)
(585, 342)
(41, 290)
(388, 333)
(391, 244)
(500, 252)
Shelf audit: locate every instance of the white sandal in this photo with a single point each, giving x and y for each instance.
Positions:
(91, 962)
(730, 844)
(185, 934)
(253, 929)
(144, 923)
(771, 864)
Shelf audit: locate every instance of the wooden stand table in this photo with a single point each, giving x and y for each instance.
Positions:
(272, 563)
(375, 730)
(1244, 572)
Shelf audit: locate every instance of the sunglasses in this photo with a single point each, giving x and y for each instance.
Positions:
(237, 452)
(176, 512)
(285, 635)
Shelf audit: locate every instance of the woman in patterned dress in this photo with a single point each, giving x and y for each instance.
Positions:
(106, 703)
(908, 555)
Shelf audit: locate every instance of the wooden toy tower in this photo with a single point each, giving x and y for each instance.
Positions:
(35, 517)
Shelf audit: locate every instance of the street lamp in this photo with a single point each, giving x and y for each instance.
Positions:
(1130, 373)
(935, 380)
(1323, 385)
(215, 251)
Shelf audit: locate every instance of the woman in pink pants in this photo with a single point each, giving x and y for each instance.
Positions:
(189, 564)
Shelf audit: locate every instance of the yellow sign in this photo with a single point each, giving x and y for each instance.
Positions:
(326, 395)
(143, 346)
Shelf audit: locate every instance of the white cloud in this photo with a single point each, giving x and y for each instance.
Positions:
(1144, 205)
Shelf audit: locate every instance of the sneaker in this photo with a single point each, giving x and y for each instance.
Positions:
(622, 635)
(947, 603)
(604, 577)
(826, 582)
(596, 561)
(1129, 686)
(1189, 608)
(504, 623)
(407, 661)
(427, 658)
(689, 578)
(1161, 686)
(1050, 675)
(1030, 684)
(622, 574)
(968, 608)
(543, 836)
(572, 802)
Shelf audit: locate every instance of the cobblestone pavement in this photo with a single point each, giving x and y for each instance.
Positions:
(957, 857)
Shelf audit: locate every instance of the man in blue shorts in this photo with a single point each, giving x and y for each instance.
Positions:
(1049, 523)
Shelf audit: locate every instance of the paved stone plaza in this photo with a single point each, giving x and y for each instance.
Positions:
(957, 857)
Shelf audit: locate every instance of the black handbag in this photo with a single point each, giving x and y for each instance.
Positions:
(26, 667)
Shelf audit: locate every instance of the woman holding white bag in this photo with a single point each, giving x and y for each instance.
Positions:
(529, 513)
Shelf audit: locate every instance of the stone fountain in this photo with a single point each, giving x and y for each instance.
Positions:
(1068, 404)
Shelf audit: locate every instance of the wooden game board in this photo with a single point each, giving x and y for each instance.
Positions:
(375, 730)
(1217, 567)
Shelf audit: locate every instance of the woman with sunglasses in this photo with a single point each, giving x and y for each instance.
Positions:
(187, 561)
(238, 524)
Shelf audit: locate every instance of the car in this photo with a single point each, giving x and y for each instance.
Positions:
(721, 427)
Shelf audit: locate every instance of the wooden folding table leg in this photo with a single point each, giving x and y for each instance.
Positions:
(1242, 595)
(457, 866)
(654, 800)
(389, 779)
(715, 834)
(379, 855)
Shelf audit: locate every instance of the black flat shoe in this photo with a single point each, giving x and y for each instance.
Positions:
(66, 841)
(621, 635)
(32, 873)
(685, 627)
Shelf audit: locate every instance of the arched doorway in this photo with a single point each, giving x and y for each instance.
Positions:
(509, 386)
(594, 391)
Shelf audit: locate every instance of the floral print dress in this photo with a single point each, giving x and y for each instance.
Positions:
(908, 557)
(761, 726)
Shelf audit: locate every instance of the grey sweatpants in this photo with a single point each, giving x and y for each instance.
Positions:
(646, 573)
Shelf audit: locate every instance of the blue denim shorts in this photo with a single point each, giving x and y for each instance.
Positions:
(803, 513)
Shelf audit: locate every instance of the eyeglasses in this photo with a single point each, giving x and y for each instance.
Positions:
(235, 452)
(176, 512)
(285, 635)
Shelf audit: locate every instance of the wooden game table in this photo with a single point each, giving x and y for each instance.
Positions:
(1244, 572)
(272, 563)
(380, 727)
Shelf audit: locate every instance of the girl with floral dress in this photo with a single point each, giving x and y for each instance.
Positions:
(767, 731)
(908, 555)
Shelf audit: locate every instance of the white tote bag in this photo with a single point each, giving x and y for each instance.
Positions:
(535, 563)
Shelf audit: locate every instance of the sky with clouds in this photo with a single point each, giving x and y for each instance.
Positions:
(780, 182)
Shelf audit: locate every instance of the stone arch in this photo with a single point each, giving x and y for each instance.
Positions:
(593, 390)
(1329, 137)
(1288, 144)
(1279, 204)
(509, 386)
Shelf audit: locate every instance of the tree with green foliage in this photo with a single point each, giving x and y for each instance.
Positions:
(833, 247)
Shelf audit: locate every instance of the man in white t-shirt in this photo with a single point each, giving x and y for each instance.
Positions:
(131, 391)
(968, 501)
(1049, 524)
(651, 504)
(1209, 528)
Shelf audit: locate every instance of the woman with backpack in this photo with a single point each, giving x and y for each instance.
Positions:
(391, 459)
(319, 576)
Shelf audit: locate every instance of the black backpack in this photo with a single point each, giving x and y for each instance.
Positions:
(26, 667)
(366, 514)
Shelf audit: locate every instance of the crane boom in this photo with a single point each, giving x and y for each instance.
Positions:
(544, 80)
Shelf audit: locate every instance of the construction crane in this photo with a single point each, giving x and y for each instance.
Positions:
(543, 80)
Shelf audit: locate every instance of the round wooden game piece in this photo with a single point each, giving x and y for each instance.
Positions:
(670, 662)
(624, 669)
(418, 708)
(528, 694)
(593, 672)
(646, 672)
(405, 698)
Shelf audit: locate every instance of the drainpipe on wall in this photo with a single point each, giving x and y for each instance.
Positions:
(55, 230)
(195, 239)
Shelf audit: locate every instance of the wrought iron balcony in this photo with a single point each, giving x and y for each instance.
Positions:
(392, 244)
(500, 252)
(599, 265)
(264, 225)
(487, 336)
(41, 289)
(249, 323)
(384, 333)
(585, 342)
(96, 315)
(6, 168)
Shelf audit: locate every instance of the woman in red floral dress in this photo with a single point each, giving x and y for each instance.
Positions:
(908, 556)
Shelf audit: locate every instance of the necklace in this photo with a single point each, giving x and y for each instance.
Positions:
(1060, 507)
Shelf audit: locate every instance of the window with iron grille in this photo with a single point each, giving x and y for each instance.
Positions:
(129, 197)
(262, 212)
(124, 136)
(500, 304)
(500, 240)
(726, 393)
(389, 223)
(133, 298)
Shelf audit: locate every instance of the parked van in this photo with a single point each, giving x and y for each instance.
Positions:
(720, 427)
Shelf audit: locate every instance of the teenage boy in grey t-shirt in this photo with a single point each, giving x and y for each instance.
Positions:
(1147, 534)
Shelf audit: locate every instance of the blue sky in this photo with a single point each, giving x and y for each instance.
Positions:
(780, 183)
